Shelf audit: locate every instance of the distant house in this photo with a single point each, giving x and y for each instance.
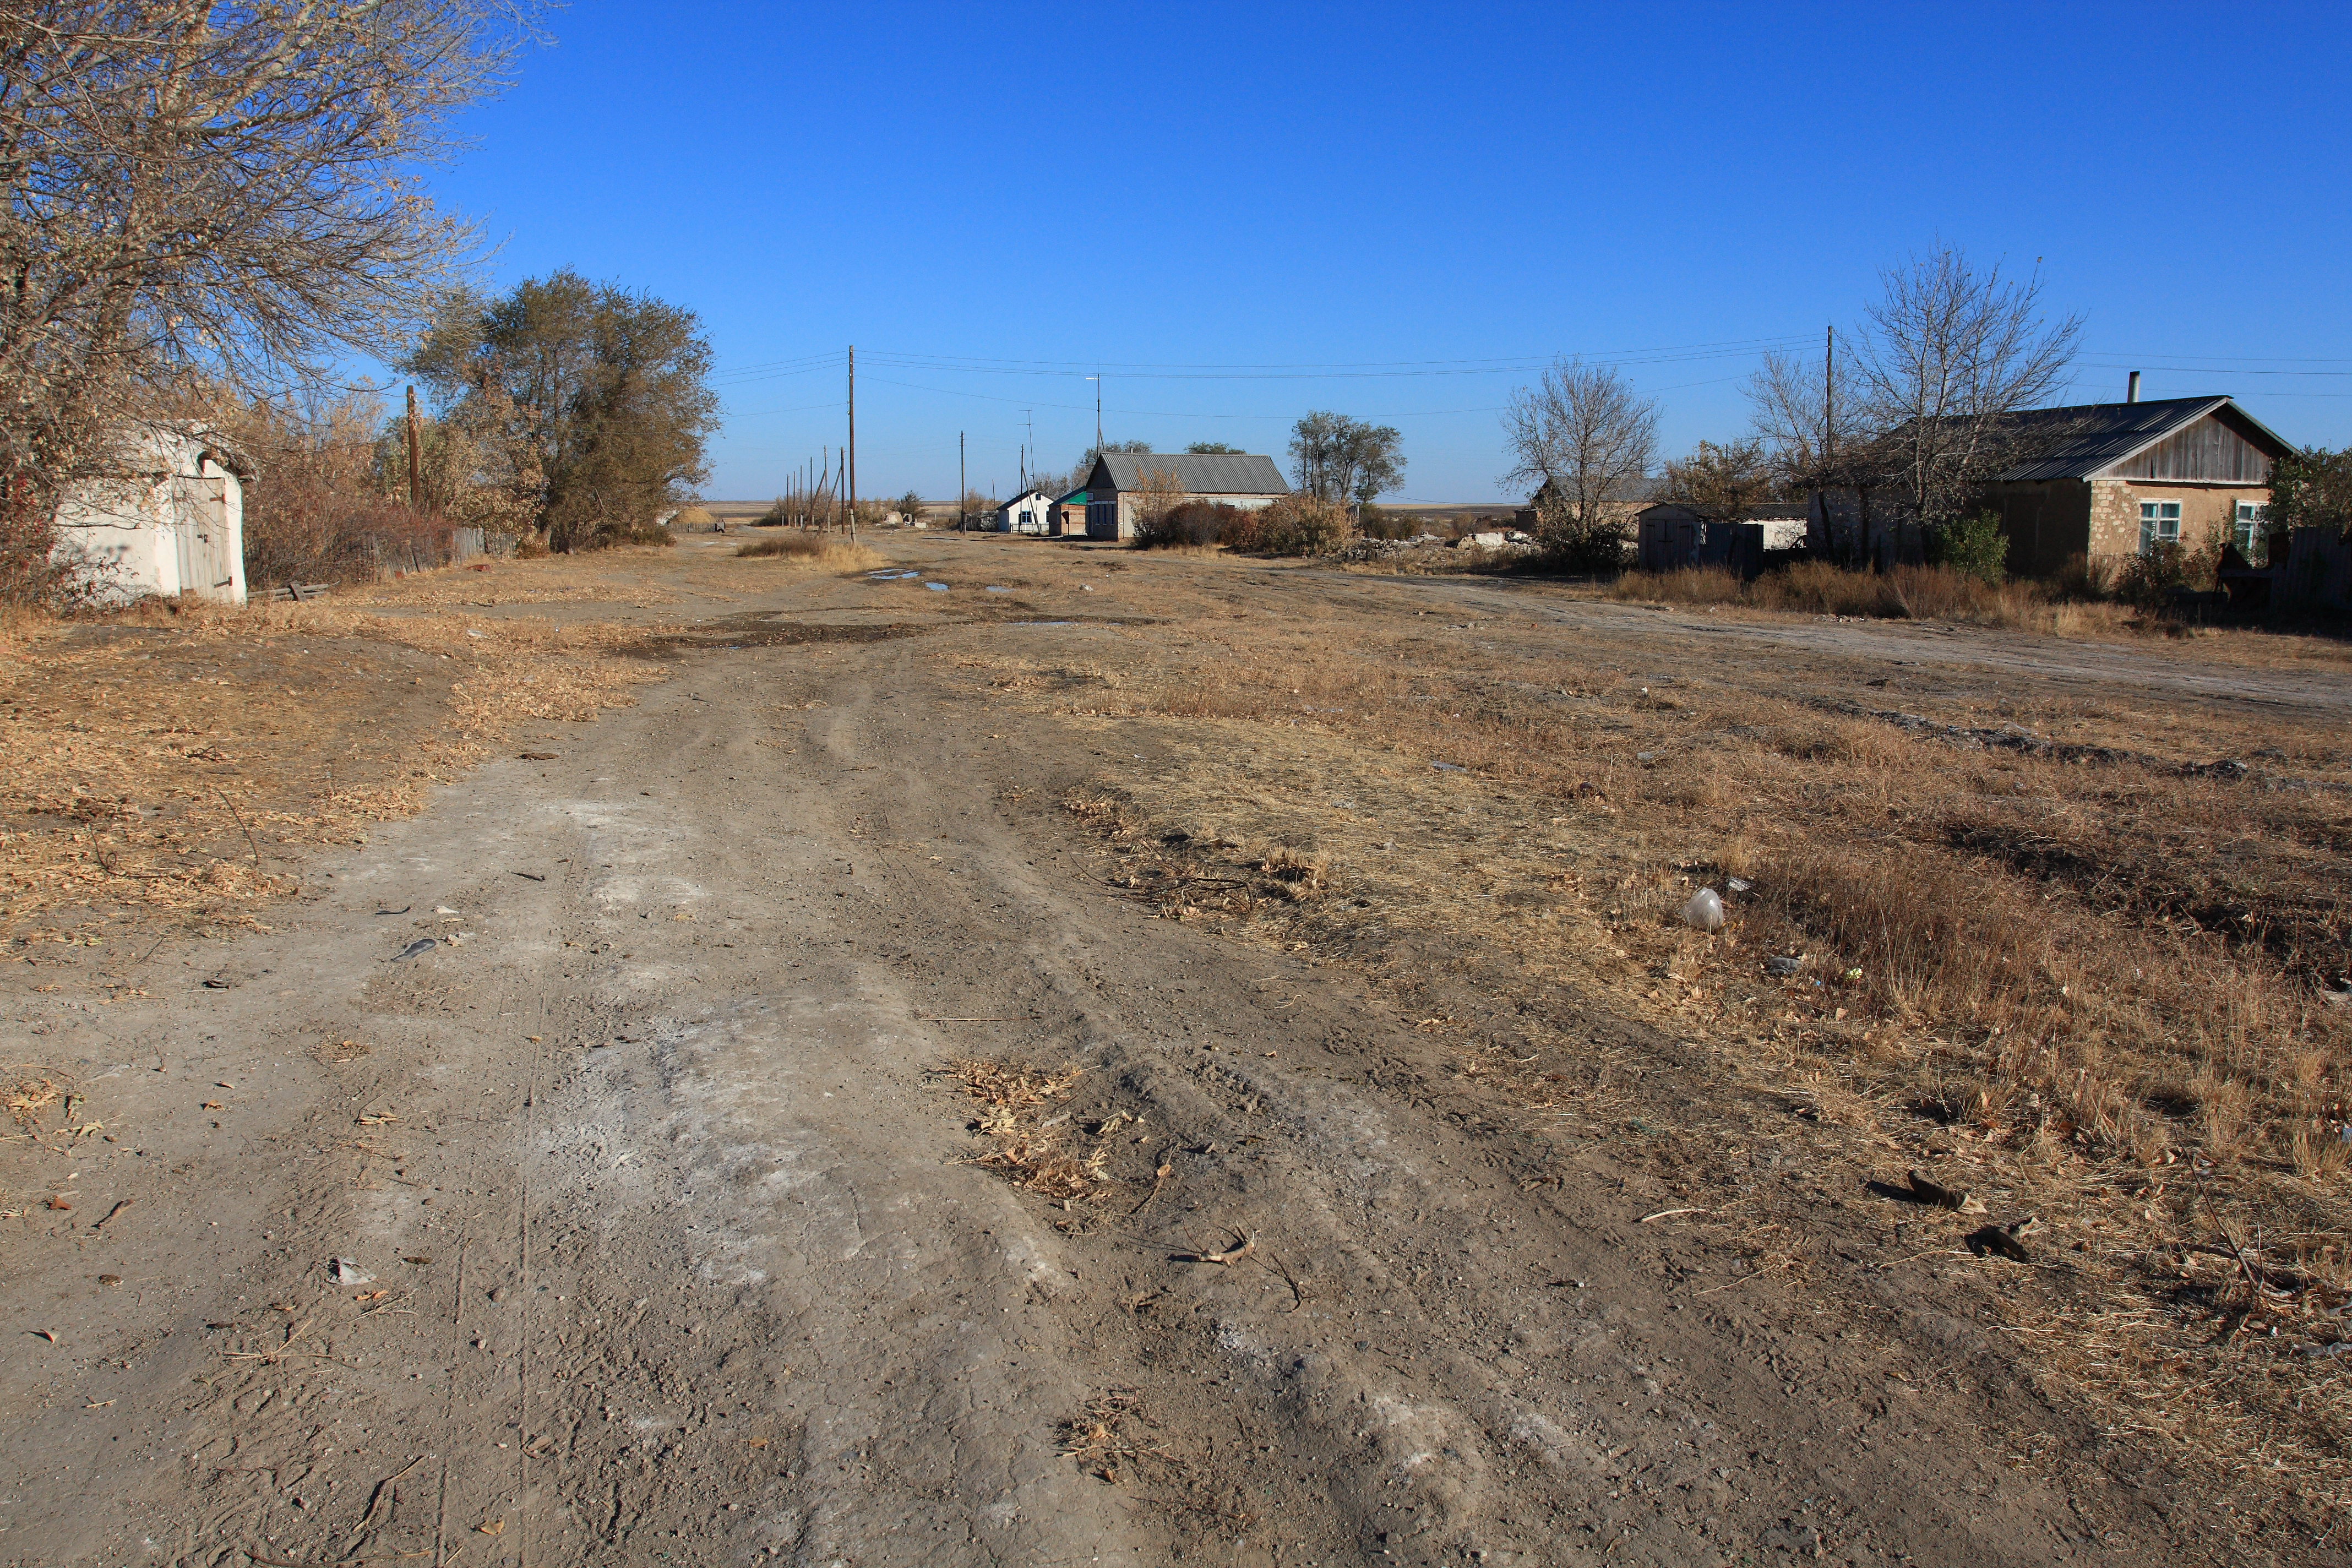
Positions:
(1120, 479)
(1031, 511)
(171, 523)
(2110, 480)
(1672, 536)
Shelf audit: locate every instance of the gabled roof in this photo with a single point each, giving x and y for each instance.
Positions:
(1024, 495)
(2094, 436)
(1197, 473)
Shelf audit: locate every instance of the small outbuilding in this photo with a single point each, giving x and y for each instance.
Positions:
(1121, 482)
(1031, 511)
(171, 523)
(1673, 535)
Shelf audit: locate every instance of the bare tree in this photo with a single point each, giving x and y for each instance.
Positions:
(1806, 412)
(1949, 354)
(1585, 438)
(212, 193)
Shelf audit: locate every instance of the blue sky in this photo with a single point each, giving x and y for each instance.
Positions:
(1242, 212)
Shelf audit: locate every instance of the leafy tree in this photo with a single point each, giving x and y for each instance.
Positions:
(1722, 482)
(597, 399)
(1338, 458)
(2311, 489)
(1974, 546)
(1584, 438)
(1205, 448)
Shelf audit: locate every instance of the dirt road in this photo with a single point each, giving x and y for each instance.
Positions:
(632, 1222)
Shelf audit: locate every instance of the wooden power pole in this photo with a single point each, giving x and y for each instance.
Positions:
(850, 473)
(961, 491)
(415, 486)
(1829, 395)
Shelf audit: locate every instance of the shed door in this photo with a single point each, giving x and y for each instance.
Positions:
(201, 511)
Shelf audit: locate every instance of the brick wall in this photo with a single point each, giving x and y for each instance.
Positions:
(2115, 511)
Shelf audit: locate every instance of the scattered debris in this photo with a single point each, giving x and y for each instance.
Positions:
(120, 1206)
(2003, 1239)
(1940, 1196)
(48, 1334)
(1784, 964)
(422, 944)
(1669, 1214)
(347, 1272)
(1705, 911)
(401, 910)
(61, 1203)
(1242, 1248)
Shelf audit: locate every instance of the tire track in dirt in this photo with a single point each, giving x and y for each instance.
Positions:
(724, 1285)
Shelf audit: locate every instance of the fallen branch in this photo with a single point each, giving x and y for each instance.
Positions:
(1231, 1255)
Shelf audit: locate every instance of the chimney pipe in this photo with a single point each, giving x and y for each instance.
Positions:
(2131, 393)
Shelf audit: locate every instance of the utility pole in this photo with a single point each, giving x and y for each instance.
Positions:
(850, 474)
(1098, 381)
(961, 491)
(415, 488)
(1029, 417)
(1829, 395)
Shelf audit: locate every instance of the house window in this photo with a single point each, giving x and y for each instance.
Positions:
(2252, 530)
(2160, 523)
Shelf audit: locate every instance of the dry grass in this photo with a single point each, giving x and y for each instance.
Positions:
(1034, 1145)
(603, 576)
(176, 762)
(2094, 984)
(823, 551)
(1908, 593)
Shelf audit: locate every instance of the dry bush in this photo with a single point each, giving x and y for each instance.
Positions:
(1295, 524)
(824, 551)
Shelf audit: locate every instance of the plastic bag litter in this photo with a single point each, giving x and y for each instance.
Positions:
(1705, 911)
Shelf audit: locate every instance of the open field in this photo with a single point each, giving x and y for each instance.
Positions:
(1140, 1058)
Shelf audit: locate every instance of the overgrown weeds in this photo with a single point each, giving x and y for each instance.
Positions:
(823, 550)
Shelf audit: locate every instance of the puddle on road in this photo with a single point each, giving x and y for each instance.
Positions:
(937, 587)
(993, 588)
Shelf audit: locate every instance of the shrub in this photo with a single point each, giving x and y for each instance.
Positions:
(639, 534)
(1196, 523)
(2151, 578)
(1293, 524)
(1973, 547)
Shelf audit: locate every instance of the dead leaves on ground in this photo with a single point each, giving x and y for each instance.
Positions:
(1035, 1145)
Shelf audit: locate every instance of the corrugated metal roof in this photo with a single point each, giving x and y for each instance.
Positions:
(2093, 436)
(1198, 473)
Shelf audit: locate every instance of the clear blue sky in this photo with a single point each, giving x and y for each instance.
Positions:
(1242, 212)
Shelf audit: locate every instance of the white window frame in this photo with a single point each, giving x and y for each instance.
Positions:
(2151, 524)
(2249, 526)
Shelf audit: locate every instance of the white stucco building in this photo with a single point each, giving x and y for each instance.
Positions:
(1028, 512)
(172, 522)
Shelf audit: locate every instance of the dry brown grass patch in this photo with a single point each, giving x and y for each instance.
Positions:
(1034, 1146)
(820, 550)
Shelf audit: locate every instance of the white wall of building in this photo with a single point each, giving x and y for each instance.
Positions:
(171, 524)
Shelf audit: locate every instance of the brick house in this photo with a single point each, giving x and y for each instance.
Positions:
(2110, 480)
(2125, 477)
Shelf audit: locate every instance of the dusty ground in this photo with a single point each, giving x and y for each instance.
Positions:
(955, 1077)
